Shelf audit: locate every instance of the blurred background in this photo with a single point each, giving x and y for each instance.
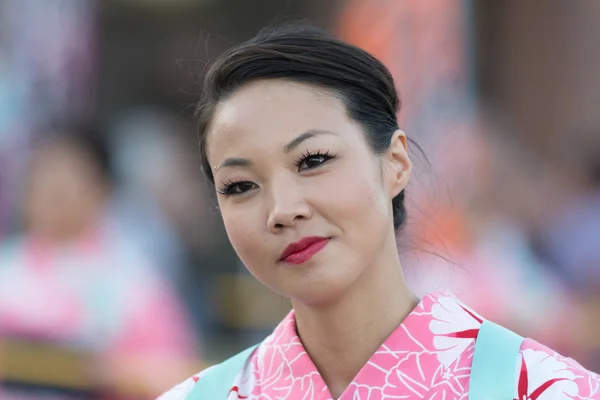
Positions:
(116, 277)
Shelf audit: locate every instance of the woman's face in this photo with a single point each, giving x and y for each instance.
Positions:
(65, 193)
(291, 168)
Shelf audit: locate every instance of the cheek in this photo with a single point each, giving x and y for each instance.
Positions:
(243, 228)
(354, 197)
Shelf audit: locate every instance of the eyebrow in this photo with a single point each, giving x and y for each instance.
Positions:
(234, 162)
(244, 162)
(306, 135)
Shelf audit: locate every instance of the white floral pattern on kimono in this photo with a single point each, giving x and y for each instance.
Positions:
(429, 356)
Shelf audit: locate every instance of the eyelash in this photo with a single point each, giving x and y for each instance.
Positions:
(229, 186)
(326, 154)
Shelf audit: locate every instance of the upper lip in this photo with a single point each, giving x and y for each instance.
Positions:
(300, 245)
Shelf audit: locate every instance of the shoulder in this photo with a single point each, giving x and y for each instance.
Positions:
(182, 390)
(243, 383)
(543, 373)
(246, 383)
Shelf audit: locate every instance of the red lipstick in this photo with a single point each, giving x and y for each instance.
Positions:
(303, 250)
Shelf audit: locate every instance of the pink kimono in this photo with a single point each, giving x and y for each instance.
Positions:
(97, 295)
(428, 356)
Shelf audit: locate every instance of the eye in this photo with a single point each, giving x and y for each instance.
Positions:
(233, 188)
(310, 160)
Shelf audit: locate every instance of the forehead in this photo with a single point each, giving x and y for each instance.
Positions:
(274, 110)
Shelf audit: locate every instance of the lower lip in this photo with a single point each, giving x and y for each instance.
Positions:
(306, 254)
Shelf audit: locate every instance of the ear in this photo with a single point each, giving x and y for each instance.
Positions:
(397, 164)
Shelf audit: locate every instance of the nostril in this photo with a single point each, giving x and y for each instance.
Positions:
(278, 226)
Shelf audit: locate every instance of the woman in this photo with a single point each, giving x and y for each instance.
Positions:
(71, 281)
(298, 132)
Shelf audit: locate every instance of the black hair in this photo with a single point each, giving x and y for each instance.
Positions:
(85, 138)
(308, 55)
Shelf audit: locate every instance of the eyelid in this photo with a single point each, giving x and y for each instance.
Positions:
(227, 185)
(314, 153)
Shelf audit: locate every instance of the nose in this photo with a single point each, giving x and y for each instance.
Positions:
(288, 207)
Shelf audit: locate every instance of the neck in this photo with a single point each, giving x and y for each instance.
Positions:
(342, 336)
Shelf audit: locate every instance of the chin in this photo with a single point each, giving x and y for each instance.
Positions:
(318, 291)
(319, 283)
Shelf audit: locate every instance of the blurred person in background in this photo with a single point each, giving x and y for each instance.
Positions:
(147, 166)
(568, 239)
(487, 234)
(163, 204)
(71, 280)
(299, 133)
